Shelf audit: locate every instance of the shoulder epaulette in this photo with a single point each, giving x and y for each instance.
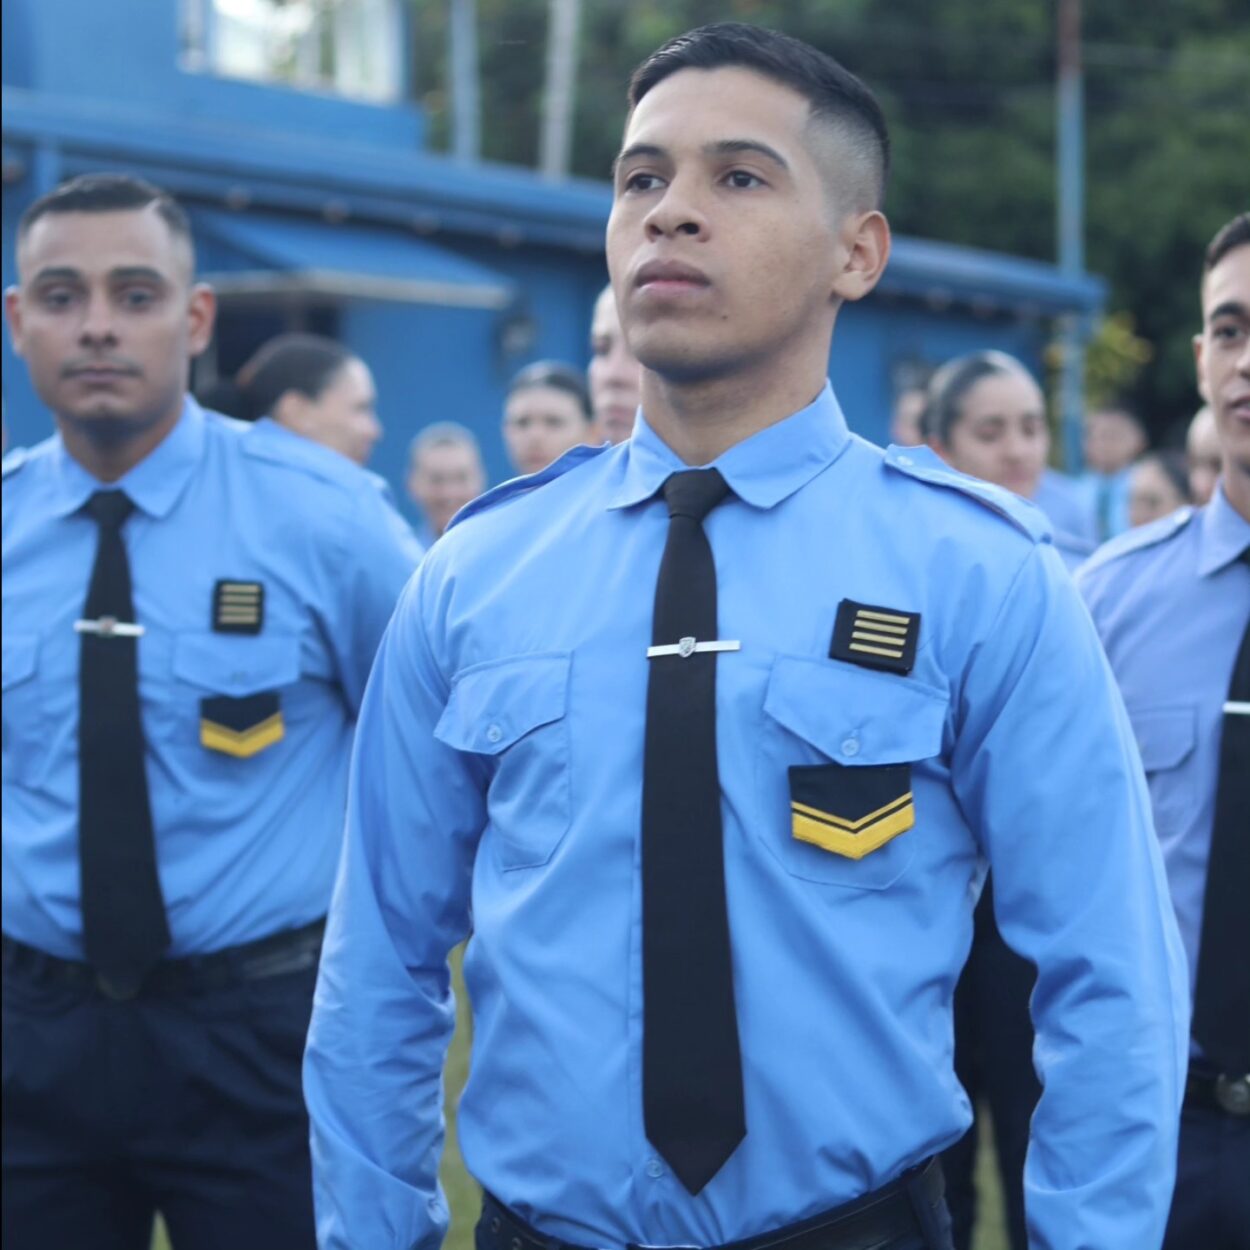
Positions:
(14, 458)
(923, 464)
(518, 486)
(1141, 537)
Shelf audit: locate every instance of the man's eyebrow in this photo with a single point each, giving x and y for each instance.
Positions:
(128, 273)
(721, 147)
(728, 147)
(1229, 308)
(636, 150)
(57, 273)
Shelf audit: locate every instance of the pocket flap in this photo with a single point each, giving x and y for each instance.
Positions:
(493, 705)
(237, 664)
(20, 651)
(1165, 735)
(854, 715)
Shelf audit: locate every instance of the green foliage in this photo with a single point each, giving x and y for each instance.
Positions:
(968, 86)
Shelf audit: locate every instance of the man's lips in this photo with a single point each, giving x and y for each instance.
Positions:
(670, 275)
(99, 373)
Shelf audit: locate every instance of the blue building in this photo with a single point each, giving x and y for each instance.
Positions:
(288, 130)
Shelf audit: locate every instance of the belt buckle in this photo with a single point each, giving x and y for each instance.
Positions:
(119, 988)
(1233, 1094)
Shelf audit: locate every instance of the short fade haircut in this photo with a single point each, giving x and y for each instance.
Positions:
(949, 385)
(554, 373)
(441, 434)
(291, 362)
(1235, 233)
(108, 193)
(833, 93)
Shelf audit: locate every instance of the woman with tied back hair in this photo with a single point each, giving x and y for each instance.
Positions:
(547, 412)
(314, 387)
(1157, 486)
(985, 416)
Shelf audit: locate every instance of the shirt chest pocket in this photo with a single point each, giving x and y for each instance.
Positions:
(512, 713)
(1166, 737)
(24, 715)
(234, 691)
(838, 748)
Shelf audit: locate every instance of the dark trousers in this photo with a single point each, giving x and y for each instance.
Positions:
(188, 1103)
(994, 1063)
(1211, 1205)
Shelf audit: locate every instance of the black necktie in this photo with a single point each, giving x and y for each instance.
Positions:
(1221, 1024)
(123, 914)
(692, 1069)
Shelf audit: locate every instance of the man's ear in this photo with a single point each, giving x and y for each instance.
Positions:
(201, 314)
(13, 315)
(1202, 381)
(863, 250)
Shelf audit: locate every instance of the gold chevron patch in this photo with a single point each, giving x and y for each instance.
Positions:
(875, 637)
(243, 726)
(853, 838)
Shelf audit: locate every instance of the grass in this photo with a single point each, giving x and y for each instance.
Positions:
(463, 1195)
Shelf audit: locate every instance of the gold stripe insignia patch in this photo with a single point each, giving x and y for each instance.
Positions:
(238, 607)
(241, 727)
(825, 830)
(875, 637)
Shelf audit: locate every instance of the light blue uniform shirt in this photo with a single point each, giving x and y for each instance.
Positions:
(245, 846)
(1171, 603)
(1061, 498)
(497, 788)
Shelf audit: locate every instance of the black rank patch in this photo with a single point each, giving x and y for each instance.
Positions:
(875, 637)
(238, 607)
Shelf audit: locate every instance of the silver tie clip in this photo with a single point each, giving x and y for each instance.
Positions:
(109, 627)
(1234, 708)
(687, 647)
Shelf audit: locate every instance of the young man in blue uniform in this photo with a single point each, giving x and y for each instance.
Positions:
(191, 607)
(712, 759)
(1172, 604)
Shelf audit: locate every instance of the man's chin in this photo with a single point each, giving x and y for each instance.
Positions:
(105, 421)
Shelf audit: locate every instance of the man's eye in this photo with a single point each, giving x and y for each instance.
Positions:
(742, 180)
(641, 182)
(56, 297)
(136, 297)
(1228, 332)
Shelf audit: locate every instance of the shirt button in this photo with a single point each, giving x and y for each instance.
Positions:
(493, 733)
(238, 676)
(850, 746)
(905, 461)
(655, 1168)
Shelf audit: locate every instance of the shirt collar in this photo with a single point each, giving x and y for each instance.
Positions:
(153, 485)
(761, 470)
(1225, 534)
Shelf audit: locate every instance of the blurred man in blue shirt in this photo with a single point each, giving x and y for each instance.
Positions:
(711, 760)
(191, 607)
(1172, 603)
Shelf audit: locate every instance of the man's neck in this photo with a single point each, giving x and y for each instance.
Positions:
(109, 453)
(1236, 483)
(700, 421)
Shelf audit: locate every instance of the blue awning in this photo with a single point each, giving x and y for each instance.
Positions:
(942, 273)
(265, 254)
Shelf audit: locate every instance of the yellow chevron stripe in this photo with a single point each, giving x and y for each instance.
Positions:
(244, 743)
(859, 646)
(852, 845)
(829, 818)
(882, 616)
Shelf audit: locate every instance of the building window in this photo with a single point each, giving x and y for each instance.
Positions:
(351, 47)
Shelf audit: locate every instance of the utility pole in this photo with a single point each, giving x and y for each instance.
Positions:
(556, 142)
(1070, 173)
(466, 106)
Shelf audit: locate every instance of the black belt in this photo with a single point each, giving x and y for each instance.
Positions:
(291, 951)
(1213, 1091)
(902, 1208)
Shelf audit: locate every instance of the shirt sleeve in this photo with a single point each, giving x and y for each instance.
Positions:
(414, 815)
(374, 559)
(1047, 772)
